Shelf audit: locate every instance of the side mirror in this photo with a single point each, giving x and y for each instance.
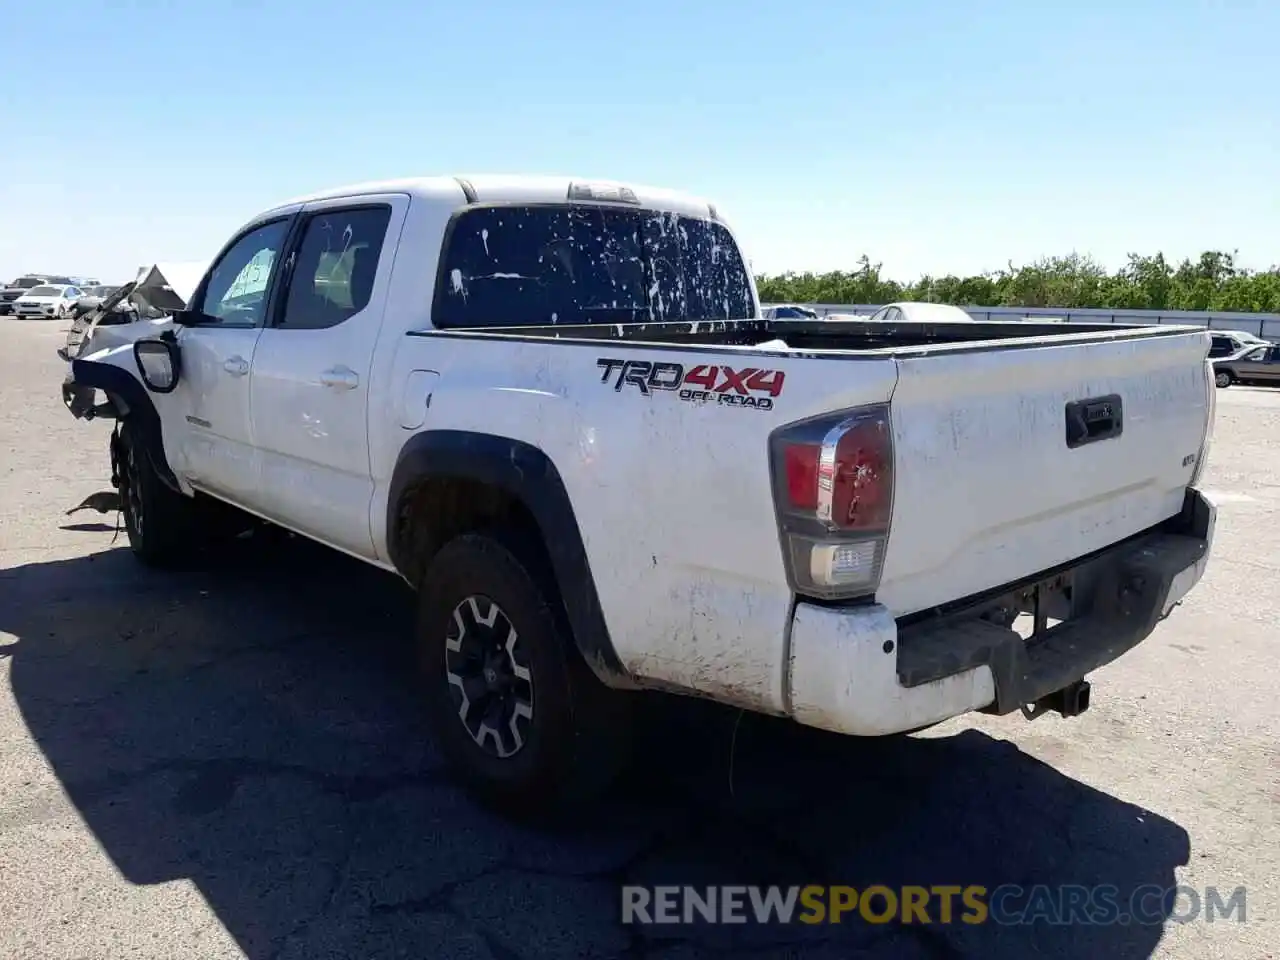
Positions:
(186, 318)
(158, 364)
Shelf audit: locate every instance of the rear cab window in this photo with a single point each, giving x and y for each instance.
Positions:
(1221, 346)
(529, 265)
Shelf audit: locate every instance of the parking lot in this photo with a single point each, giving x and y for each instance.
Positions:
(232, 762)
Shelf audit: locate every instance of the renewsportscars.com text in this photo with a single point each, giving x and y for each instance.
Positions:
(938, 904)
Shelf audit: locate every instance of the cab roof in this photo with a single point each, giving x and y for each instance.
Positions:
(461, 190)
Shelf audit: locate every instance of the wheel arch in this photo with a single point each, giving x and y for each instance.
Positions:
(128, 400)
(448, 482)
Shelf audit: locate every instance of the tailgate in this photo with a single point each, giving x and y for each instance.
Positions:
(988, 487)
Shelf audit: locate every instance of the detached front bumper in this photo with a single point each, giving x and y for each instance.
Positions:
(76, 397)
(859, 671)
(82, 400)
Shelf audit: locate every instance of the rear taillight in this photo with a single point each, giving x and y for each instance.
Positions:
(833, 490)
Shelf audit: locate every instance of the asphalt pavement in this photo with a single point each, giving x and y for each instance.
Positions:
(234, 763)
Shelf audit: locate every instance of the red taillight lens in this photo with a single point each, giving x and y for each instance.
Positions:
(847, 478)
(801, 464)
(833, 487)
(863, 483)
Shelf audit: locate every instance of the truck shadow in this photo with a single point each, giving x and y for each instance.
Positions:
(254, 728)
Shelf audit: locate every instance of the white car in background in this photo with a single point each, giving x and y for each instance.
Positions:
(48, 300)
(91, 296)
(907, 311)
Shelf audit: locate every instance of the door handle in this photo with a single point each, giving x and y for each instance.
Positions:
(236, 366)
(340, 378)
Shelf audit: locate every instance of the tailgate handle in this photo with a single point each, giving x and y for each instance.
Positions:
(1098, 418)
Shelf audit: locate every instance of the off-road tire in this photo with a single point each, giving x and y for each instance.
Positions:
(578, 738)
(163, 526)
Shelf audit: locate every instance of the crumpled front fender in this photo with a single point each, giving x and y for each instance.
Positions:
(114, 372)
(101, 335)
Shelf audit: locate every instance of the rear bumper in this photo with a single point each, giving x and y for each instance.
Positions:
(858, 671)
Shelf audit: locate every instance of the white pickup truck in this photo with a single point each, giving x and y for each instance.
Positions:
(555, 410)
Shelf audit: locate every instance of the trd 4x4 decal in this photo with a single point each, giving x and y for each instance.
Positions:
(705, 383)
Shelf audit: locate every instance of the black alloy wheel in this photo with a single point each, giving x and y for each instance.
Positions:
(489, 677)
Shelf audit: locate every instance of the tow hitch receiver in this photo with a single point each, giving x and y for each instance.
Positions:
(1071, 701)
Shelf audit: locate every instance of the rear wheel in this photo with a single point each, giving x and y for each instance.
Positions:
(1222, 378)
(517, 713)
(162, 524)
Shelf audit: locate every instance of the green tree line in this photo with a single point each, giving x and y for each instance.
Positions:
(1212, 282)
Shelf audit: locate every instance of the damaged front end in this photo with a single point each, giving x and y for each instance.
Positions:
(83, 403)
(118, 355)
(105, 336)
(101, 387)
(116, 310)
(140, 308)
(106, 384)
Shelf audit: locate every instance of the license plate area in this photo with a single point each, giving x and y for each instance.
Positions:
(1035, 609)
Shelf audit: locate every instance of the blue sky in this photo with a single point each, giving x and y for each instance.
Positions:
(933, 136)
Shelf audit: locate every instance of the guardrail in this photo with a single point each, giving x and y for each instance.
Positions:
(1266, 325)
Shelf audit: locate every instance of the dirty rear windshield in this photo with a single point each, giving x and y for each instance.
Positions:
(507, 266)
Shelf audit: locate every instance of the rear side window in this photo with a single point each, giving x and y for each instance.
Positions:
(573, 264)
(336, 265)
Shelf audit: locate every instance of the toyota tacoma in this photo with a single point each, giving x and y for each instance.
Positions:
(555, 409)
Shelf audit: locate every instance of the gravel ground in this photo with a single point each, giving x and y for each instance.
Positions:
(233, 762)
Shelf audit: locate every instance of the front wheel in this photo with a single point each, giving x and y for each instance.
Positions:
(161, 523)
(517, 713)
(1222, 379)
